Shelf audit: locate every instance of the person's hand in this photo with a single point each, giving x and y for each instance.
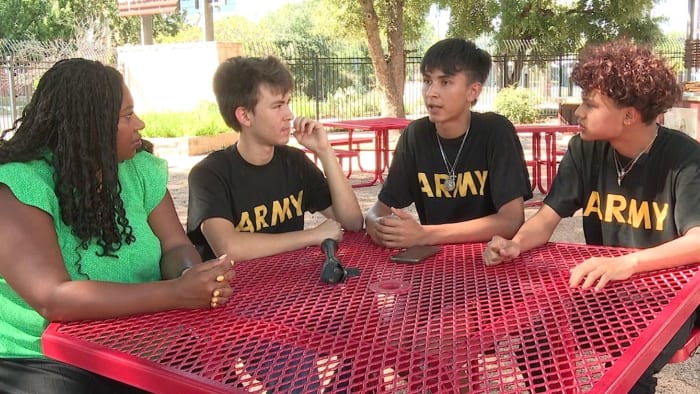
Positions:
(206, 285)
(372, 224)
(398, 230)
(310, 134)
(499, 250)
(328, 229)
(601, 270)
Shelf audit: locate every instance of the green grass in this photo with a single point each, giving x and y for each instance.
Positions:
(205, 120)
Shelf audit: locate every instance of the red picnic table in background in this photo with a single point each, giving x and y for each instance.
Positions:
(449, 324)
(546, 156)
(380, 127)
(542, 165)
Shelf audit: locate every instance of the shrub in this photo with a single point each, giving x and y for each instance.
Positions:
(205, 120)
(344, 103)
(519, 105)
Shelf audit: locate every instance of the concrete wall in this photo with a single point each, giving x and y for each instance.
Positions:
(172, 77)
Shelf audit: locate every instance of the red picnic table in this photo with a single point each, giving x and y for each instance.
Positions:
(540, 180)
(380, 127)
(446, 325)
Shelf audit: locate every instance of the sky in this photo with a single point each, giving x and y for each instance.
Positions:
(676, 11)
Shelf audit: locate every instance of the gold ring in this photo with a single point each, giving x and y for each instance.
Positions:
(213, 304)
(214, 300)
(216, 293)
(220, 278)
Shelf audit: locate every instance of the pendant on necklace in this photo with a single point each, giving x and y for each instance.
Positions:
(450, 183)
(620, 175)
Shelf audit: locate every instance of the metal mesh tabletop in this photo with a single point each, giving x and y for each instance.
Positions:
(446, 325)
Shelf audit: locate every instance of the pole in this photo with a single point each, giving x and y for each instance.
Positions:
(146, 29)
(208, 13)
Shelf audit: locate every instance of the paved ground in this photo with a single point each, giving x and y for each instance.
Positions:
(673, 379)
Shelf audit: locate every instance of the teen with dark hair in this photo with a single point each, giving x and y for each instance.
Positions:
(248, 200)
(88, 227)
(465, 171)
(637, 182)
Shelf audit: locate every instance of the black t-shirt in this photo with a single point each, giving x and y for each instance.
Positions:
(656, 202)
(490, 171)
(271, 198)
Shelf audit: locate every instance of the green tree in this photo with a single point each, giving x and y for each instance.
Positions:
(236, 28)
(300, 31)
(20, 19)
(64, 19)
(544, 26)
(387, 26)
(548, 27)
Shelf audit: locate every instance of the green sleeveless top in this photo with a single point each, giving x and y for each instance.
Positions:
(143, 179)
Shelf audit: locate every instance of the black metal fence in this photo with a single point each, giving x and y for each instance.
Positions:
(345, 87)
(340, 86)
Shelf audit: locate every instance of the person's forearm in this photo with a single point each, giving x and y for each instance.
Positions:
(475, 230)
(248, 246)
(345, 206)
(531, 235)
(88, 300)
(538, 229)
(680, 251)
(177, 259)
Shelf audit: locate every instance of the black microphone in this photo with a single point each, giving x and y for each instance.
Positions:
(332, 271)
(329, 247)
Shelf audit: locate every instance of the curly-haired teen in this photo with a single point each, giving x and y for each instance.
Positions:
(88, 227)
(637, 183)
(248, 200)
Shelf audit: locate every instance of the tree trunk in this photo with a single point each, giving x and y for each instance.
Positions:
(513, 78)
(397, 55)
(390, 71)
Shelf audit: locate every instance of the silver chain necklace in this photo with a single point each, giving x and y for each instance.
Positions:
(624, 170)
(451, 181)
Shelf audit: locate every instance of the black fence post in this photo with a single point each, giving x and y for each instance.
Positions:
(317, 84)
(561, 76)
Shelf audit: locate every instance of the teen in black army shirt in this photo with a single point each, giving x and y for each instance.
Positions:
(248, 200)
(637, 183)
(465, 171)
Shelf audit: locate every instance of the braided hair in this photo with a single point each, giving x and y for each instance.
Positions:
(73, 115)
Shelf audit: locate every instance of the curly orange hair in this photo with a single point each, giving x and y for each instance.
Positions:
(631, 75)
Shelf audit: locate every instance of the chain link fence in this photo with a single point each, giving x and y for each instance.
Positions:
(22, 63)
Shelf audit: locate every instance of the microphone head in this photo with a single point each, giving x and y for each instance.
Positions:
(329, 247)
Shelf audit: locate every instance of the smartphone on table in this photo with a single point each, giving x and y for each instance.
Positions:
(415, 254)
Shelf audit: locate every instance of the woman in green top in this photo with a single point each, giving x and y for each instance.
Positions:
(88, 228)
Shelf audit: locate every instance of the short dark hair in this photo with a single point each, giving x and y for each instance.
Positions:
(453, 55)
(631, 75)
(237, 83)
